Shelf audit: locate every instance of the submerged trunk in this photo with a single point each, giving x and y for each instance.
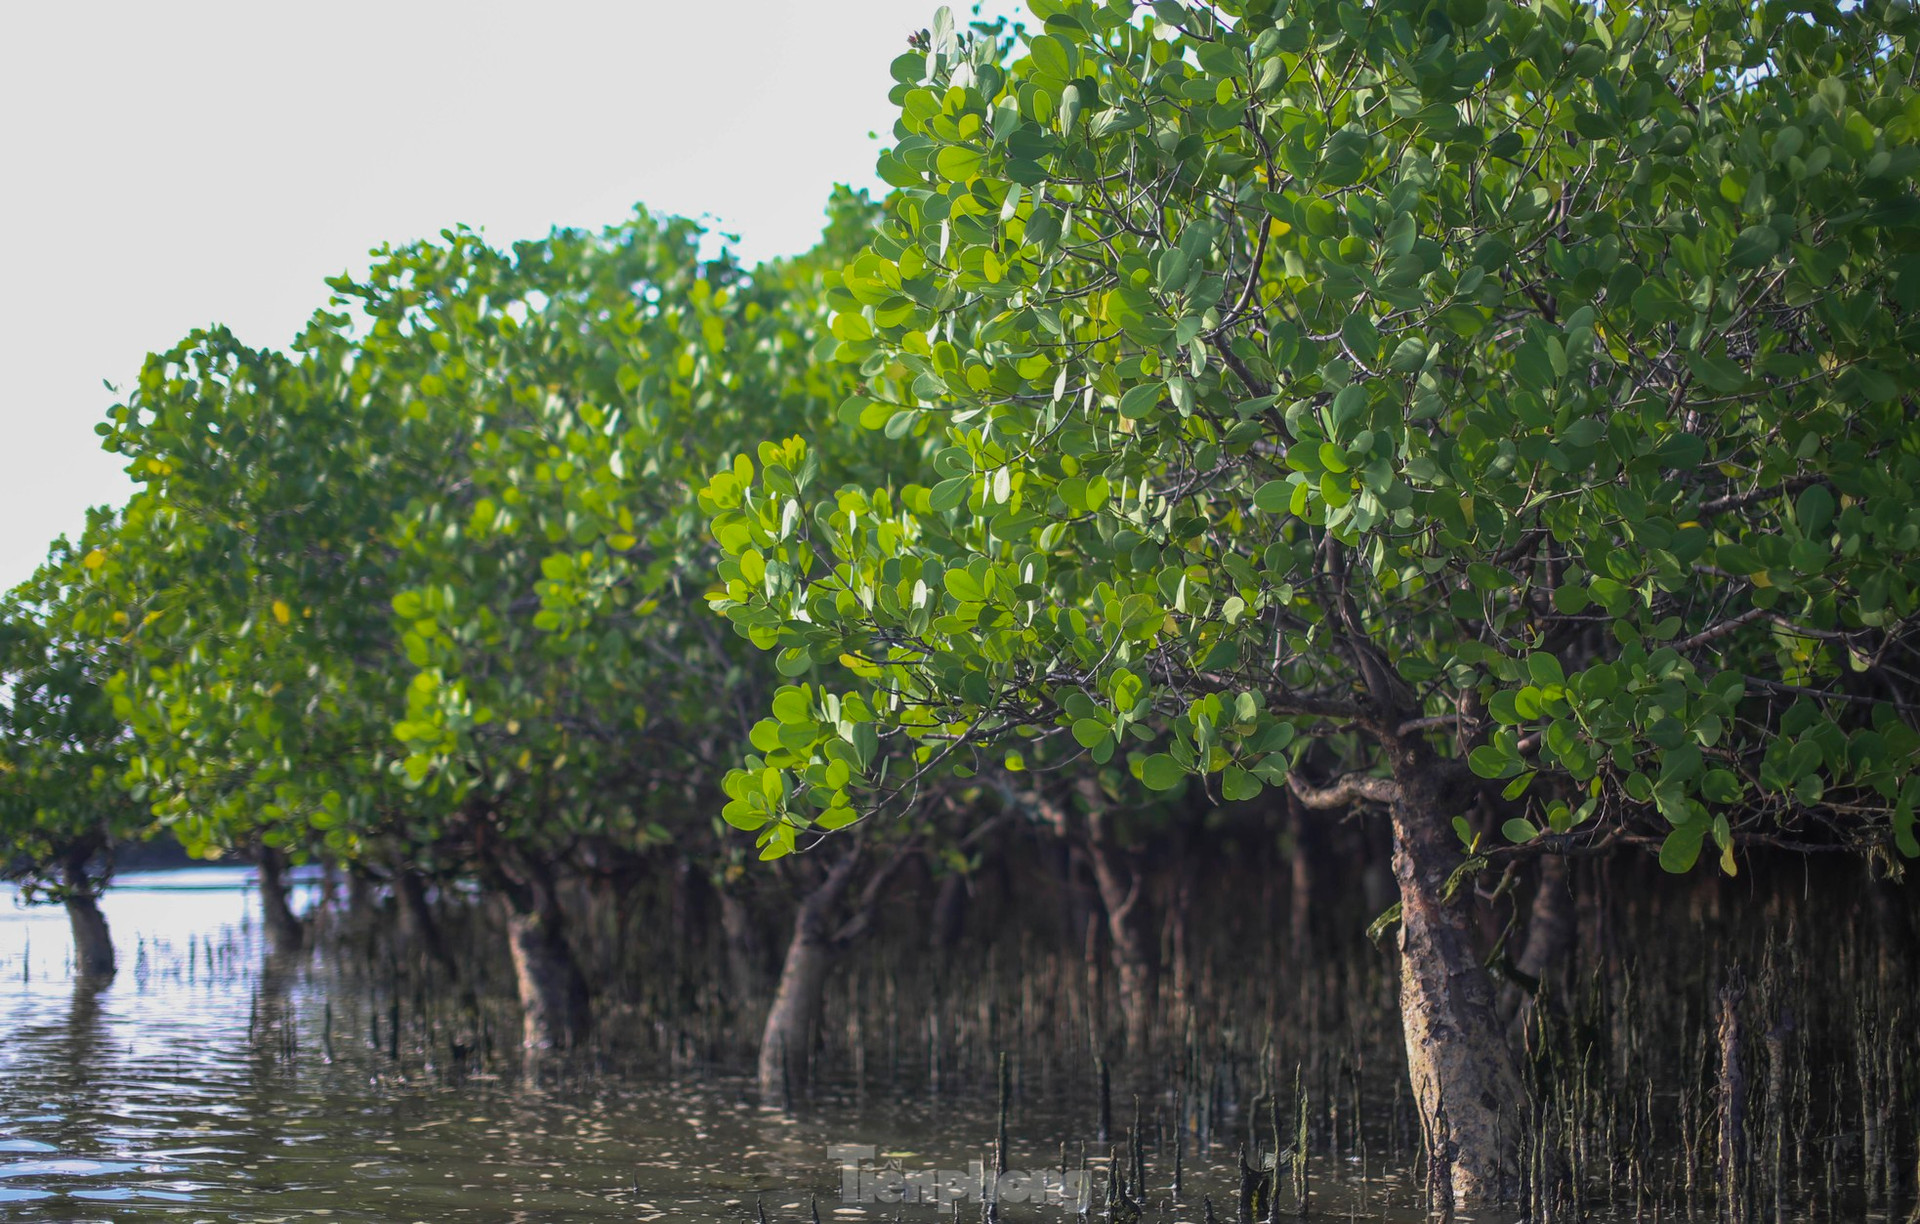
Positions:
(286, 931)
(1465, 1080)
(553, 994)
(1732, 1100)
(92, 944)
(793, 1022)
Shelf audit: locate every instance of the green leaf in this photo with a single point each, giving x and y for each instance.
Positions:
(1717, 372)
(741, 815)
(964, 587)
(1089, 732)
(793, 706)
(1053, 56)
(1138, 401)
(836, 818)
(1755, 246)
(1161, 772)
(1490, 762)
(1814, 509)
(959, 165)
(1903, 832)
(1681, 849)
(1237, 784)
(1545, 669)
(950, 493)
(1273, 496)
(1519, 831)
(1361, 336)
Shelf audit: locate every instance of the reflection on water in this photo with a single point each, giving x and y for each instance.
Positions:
(197, 1086)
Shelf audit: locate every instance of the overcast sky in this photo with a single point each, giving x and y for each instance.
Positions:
(166, 166)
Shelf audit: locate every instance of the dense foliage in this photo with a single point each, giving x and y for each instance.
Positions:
(1500, 415)
(1536, 378)
(63, 754)
(423, 580)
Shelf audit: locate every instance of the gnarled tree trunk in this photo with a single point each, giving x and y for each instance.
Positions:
(555, 1011)
(287, 933)
(92, 943)
(793, 1022)
(1466, 1084)
(786, 1043)
(1471, 1098)
(1553, 928)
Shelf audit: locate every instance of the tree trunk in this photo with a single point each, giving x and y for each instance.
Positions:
(793, 1022)
(286, 931)
(417, 923)
(360, 912)
(1300, 902)
(555, 1014)
(92, 943)
(745, 958)
(1553, 925)
(1465, 1081)
(949, 912)
(1178, 943)
(1732, 1101)
(1553, 928)
(1129, 926)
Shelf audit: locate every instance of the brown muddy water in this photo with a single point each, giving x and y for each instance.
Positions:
(212, 1082)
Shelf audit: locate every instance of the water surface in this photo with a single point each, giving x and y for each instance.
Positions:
(209, 1082)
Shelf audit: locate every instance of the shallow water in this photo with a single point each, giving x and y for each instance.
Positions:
(198, 1086)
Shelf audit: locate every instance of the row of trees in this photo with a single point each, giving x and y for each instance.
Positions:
(1500, 416)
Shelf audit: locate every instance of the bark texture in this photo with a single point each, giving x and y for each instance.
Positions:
(554, 1006)
(1130, 931)
(793, 1022)
(1465, 1080)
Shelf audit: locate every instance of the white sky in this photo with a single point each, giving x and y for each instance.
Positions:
(164, 166)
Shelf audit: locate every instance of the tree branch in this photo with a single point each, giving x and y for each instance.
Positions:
(1344, 791)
